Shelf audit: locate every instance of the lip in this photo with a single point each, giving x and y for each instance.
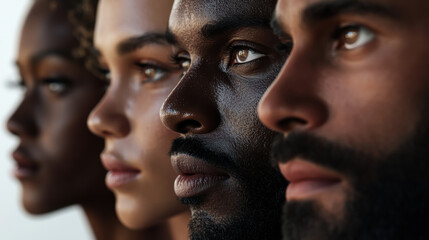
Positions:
(118, 173)
(26, 167)
(308, 180)
(195, 176)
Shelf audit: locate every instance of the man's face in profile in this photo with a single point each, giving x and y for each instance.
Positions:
(222, 156)
(352, 104)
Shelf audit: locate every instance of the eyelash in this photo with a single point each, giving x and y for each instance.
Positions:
(20, 83)
(178, 61)
(159, 70)
(231, 50)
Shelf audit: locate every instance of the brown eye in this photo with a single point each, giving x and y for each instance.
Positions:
(242, 55)
(150, 72)
(245, 55)
(185, 64)
(352, 37)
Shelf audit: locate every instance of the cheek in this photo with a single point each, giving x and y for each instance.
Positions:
(373, 110)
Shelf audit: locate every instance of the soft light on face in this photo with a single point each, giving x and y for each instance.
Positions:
(222, 154)
(358, 81)
(130, 38)
(57, 158)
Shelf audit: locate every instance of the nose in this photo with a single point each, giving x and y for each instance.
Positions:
(23, 122)
(108, 118)
(292, 102)
(191, 107)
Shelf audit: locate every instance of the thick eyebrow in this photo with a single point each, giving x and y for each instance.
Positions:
(131, 44)
(170, 37)
(329, 9)
(232, 23)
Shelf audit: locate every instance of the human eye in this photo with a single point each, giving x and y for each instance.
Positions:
(20, 83)
(352, 36)
(245, 55)
(105, 73)
(151, 72)
(57, 85)
(182, 61)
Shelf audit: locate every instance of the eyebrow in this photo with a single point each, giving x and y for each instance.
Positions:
(131, 44)
(329, 9)
(232, 23)
(277, 27)
(170, 37)
(40, 56)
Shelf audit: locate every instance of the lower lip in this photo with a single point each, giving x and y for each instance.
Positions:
(24, 168)
(309, 188)
(186, 186)
(24, 173)
(115, 179)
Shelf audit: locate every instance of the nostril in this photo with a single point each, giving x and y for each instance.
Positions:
(188, 125)
(292, 123)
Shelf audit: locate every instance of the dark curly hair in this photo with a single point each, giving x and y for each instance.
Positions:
(81, 14)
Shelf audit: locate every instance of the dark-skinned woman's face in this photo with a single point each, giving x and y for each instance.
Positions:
(57, 160)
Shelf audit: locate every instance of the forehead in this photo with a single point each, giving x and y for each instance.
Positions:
(189, 15)
(297, 10)
(46, 28)
(119, 19)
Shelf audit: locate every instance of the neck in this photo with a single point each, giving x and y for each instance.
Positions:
(106, 226)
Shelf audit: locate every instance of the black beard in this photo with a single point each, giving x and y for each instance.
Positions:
(390, 194)
(261, 192)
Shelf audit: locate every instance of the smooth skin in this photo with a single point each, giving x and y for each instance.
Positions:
(57, 158)
(130, 39)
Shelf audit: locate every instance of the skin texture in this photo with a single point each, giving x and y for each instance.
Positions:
(361, 102)
(213, 107)
(63, 155)
(128, 115)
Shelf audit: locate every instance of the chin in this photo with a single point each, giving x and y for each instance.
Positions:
(131, 213)
(37, 205)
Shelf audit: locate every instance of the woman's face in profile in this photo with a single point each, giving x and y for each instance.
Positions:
(129, 37)
(57, 160)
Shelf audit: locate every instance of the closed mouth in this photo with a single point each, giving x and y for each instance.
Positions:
(25, 166)
(118, 174)
(195, 176)
(308, 180)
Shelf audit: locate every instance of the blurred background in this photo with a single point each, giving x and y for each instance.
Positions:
(15, 224)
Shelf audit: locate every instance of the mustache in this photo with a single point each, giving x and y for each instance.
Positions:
(319, 151)
(196, 148)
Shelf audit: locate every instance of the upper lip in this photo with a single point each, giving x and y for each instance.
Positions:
(112, 162)
(23, 158)
(298, 170)
(185, 164)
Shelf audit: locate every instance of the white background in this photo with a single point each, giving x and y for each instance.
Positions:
(15, 224)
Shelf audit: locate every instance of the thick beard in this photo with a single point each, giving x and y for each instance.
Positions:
(392, 205)
(257, 218)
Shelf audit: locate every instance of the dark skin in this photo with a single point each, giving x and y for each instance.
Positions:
(58, 158)
(229, 65)
(358, 80)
